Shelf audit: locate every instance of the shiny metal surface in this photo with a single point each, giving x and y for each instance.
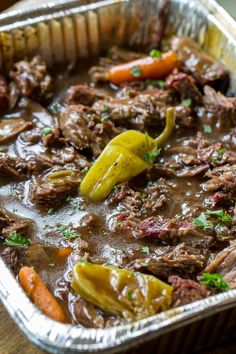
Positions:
(63, 32)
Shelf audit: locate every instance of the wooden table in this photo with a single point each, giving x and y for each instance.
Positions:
(13, 341)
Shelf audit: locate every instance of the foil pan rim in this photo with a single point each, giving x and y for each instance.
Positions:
(55, 336)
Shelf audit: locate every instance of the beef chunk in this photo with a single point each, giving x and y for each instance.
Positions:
(158, 228)
(54, 186)
(84, 129)
(10, 256)
(187, 291)
(32, 79)
(11, 223)
(205, 69)
(221, 178)
(53, 137)
(144, 110)
(91, 316)
(4, 94)
(185, 86)
(11, 128)
(15, 168)
(220, 107)
(225, 264)
(136, 203)
(183, 260)
(83, 94)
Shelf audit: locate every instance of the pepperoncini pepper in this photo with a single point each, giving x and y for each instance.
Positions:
(121, 292)
(122, 159)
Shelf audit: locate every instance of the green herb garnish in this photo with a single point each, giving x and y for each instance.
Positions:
(136, 71)
(207, 129)
(69, 198)
(16, 240)
(221, 215)
(202, 222)
(131, 294)
(222, 151)
(155, 54)
(50, 211)
(151, 155)
(47, 131)
(214, 159)
(215, 280)
(161, 83)
(68, 232)
(85, 170)
(187, 102)
(145, 249)
(106, 108)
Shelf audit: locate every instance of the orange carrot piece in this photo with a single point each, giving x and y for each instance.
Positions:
(40, 295)
(63, 253)
(144, 68)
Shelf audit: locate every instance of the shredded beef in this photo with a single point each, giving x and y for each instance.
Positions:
(84, 129)
(185, 86)
(32, 79)
(183, 260)
(144, 110)
(158, 228)
(220, 107)
(83, 94)
(14, 167)
(47, 191)
(221, 178)
(225, 264)
(10, 223)
(187, 291)
(205, 69)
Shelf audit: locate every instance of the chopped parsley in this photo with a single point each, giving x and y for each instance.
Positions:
(16, 240)
(69, 198)
(68, 232)
(151, 155)
(221, 215)
(130, 294)
(161, 83)
(136, 71)
(187, 102)
(47, 131)
(215, 280)
(50, 211)
(214, 159)
(85, 170)
(145, 249)
(155, 54)
(202, 222)
(222, 151)
(115, 189)
(106, 108)
(207, 129)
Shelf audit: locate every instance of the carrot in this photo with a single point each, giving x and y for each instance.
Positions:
(40, 295)
(63, 253)
(144, 68)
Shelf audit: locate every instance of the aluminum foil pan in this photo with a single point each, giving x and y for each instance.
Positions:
(63, 32)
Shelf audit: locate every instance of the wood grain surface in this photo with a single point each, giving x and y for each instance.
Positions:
(13, 341)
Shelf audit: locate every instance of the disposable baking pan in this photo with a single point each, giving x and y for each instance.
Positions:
(63, 32)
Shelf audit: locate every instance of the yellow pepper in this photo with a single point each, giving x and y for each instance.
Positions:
(121, 292)
(122, 159)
